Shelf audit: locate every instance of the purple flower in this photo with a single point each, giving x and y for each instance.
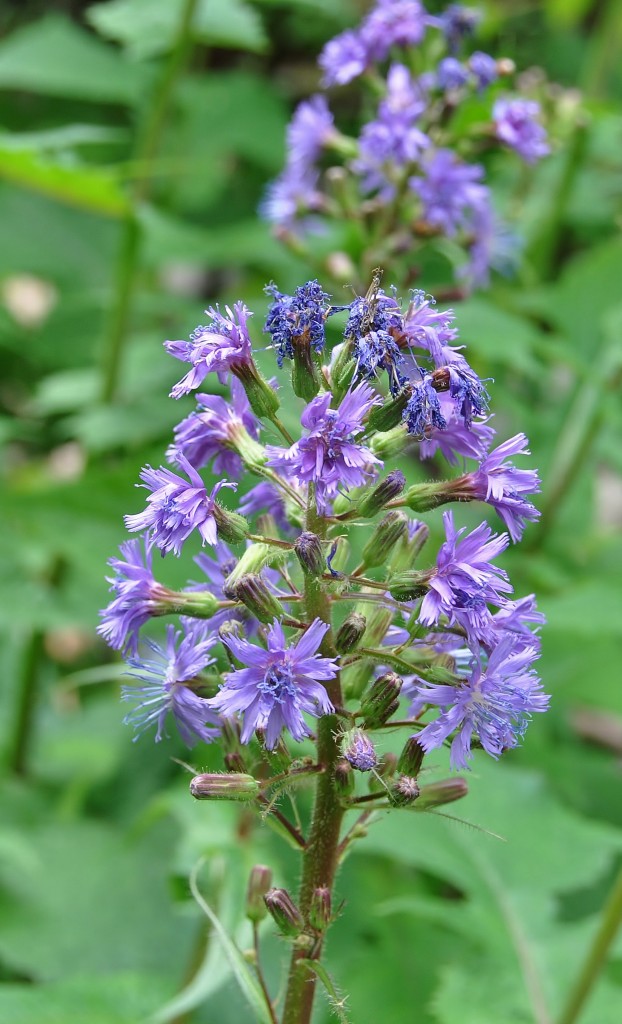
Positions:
(278, 684)
(464, 578)
(457, 22)
(265, 497)
(359, 750)
(211, 432)
(450, 191)
(310, 129)
(223, 345)
(176, 508)
(430, 328)
(390, 23)
(517, 617)
(343, 58)
(297, 318)
(216, 571)
(138, 596)
(516, 123)
(494, 703)
(328, 455)
(167, 688)
(293, 193)
(455, 440)
(393, 139)
(451, 74)
(484, 69)
(503, 486)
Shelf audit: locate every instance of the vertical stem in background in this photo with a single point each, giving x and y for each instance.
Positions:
(597, 955)
(129, 247)
(321, 854)
(26, 701)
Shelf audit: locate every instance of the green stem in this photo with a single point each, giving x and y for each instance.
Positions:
(320, 857)
(27, 700)
(129, 247)
(597, 955)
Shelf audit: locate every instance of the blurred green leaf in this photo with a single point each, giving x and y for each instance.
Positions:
(54, 57)
(124, 997)
(87, 187)
(149, 29)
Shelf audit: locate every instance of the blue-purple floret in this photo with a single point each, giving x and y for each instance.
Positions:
(176, 508)
(483, 67)
(502, 485)
(166, 687)
(138, 596)
(517, 124)
(359, 751)
(494, 703)
(223, 345)
(390, 23)
(294, 319)
(278, 685)
(210, 432)
(457, 23)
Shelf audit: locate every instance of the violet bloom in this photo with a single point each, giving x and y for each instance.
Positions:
(138, 596)
(484, 69)
(457, 23)
(175, 508)
(312, 127)
(278, 684)
(393, 139)
(211, 432)
(429, 328)
(343, 58)
(456, 440)
(223, 345)
(265, 497)
(464, 577)
(297, 319)
(516, 123)
(518, 617)
(390, 23)
(167, 688)
(502, 485)
(451, 74)
(494, 703)
(292, 194)
(328, 456)
(450, 191)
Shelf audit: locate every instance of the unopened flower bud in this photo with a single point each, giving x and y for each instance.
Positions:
(284, 911)
(253, 592)
(231, 526)
(411, 758)
(305, 376)
(425, 497)
(350, 632)
(410, 544)
(224, 787)
(358, 750)
(310, 554)
(388, 444)
(388, 415)
(384, 538)
(255, 558)
(320, 911)
(344, 777)
(403, 792)
(444, 792)
(198, 603)
(381, 700)
(406, 586)
(259, 882)
(376, 498)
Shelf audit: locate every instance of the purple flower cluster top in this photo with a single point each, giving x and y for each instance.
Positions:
(278, 625)
(417, 169)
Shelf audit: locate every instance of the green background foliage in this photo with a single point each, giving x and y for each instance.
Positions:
(128, 198)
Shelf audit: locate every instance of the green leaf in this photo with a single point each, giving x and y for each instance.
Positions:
(147, 29)
(54, 57)
(120, 998)
(87, 187)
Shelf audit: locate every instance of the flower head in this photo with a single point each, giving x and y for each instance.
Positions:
(297, 319)
(516, 123)
(223, 345)
(138, 596)
(329, 456)
(278, 684)
(175, 508)
(502, 485)
(456, 440)
(494, 703)
(166, 687)
(211, 431)
(464, 579)
(393, 138)
(310, 129)
(390, 23)
(450, 191)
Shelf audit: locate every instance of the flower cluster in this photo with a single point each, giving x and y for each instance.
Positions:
(414, 176)
(280, 629)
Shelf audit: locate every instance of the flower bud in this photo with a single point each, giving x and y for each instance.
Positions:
(259, 882)
(305, 378)
(388, 415)
(262, 399)
(350, 632)
(387, 444)
(200, 604)
(384, 538)
(425, 497)
(253, 560)
(344, 777)
(376, 498)
(284, 911)
(403, 792)
(444, 792)
(253, 592)
(320, 911)
(409, 545)
(224, 787)
(381, 700)
(231, 526)
(406, 586)
(310, 554)
(358, 750)
(411, 758)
